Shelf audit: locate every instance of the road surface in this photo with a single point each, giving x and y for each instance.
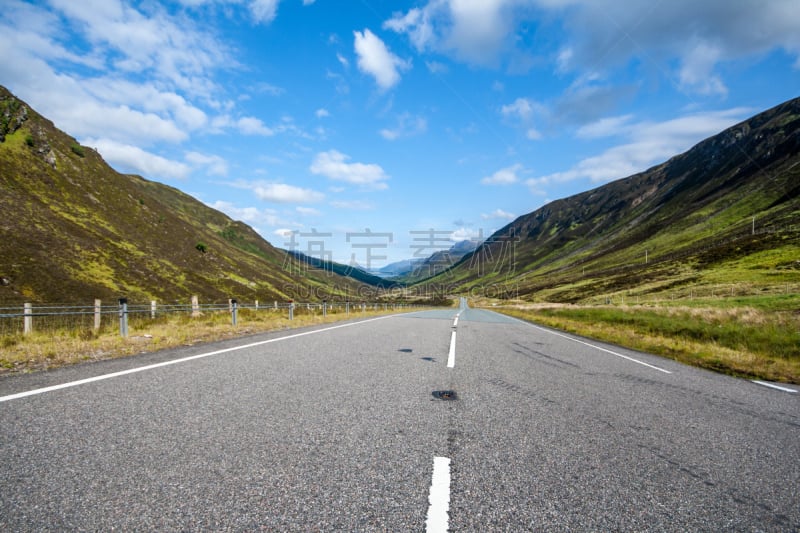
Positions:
(458, 419)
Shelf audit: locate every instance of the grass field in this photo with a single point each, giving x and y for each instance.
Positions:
(754, 337)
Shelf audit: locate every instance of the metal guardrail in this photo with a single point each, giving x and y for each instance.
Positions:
(123, 310)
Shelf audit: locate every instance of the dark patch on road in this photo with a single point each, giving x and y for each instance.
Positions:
(445, 395)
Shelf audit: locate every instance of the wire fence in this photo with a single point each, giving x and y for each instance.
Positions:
(123, 316)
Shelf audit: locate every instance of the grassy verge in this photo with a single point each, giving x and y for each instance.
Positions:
(51, 349)
(744, 341)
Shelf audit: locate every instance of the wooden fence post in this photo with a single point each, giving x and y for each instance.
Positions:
(98, 310)
(28, 320)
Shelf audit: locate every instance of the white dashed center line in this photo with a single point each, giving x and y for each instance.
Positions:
(451, 356)
(439, 497)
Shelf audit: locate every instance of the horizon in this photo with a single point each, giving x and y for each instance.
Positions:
(392, 130)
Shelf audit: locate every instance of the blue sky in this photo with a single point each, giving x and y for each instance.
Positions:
(332, 119)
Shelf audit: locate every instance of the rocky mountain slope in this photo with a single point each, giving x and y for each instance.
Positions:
(730, 205)
(73, 229)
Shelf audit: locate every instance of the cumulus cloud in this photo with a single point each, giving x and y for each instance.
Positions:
(127, 158)
(475, 32)
(214, 164)
(375, 59)
(283, 193)
(504, 176)
(253, 126)
(604, 34)
(334, 165)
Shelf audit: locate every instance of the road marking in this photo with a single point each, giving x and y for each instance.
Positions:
(455, 322)
(593, 346)
(451, 356)
(176, 361)
(770, 385)
(439, 497)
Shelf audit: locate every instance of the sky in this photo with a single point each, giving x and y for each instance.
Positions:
(370, 131)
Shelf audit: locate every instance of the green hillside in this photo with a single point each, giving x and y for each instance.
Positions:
(73, 229)
(725, 215)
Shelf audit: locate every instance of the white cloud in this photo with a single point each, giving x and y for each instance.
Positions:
(322, 113)
(264, 11)
(216, 166)
(308, 211)
(418, 24)
(474, 31)
(523, 112)
(375, 59)
(466, 234)
(149, 39)
(285, 194)
(436, 67)
(521, 108)
(407, 126)
(605, 127)
(696, 74)
(129, 158)
(533, 134)
(504, 176)
(333, 164)
(253, 126)
(499, 213)
(284, 233)
(250, 215)
(603, 34)
(648, 144)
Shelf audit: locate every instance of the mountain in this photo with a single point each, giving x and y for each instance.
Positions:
(729, 205)
(73, 229)
(414, 270)
(354, 272)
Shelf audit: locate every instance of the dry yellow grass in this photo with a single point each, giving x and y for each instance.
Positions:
(46, 350)
(740, 361)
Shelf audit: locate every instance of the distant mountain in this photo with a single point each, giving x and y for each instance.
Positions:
(413, 270)
(73, 229)
(730, 204)
(355, 272)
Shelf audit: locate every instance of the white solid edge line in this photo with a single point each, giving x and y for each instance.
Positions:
(592, 346)
(176, 361)
(771, 386)
(451, 355)
(439, 497)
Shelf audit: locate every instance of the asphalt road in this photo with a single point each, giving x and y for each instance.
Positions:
(338, 429)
